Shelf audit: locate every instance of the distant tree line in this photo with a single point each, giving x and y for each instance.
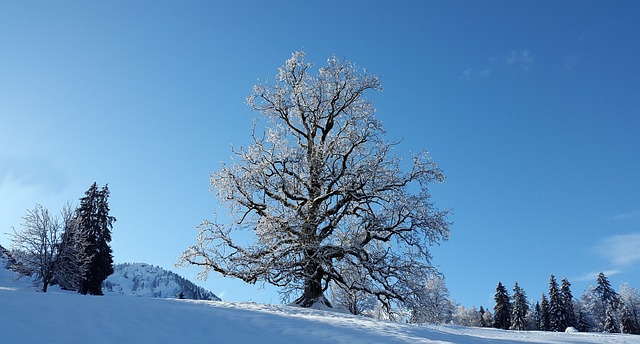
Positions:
(600, 309)
(71, 250)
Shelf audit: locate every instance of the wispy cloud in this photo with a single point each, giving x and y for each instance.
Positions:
(515, 59)
(470, 73)
(593, 276)
(626, 216)
(621, 250)
(520, 58)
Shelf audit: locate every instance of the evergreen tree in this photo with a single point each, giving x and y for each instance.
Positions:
(502, 309)
(583, 321)
(567, 301)
(95, 223)
(557, 321)
(610, 321)
(627, 321)
(605, 292)
(483, 323)
(544, 324)
(519, 310)
(537, 316)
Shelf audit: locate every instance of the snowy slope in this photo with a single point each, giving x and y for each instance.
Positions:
(58, 317)
(142, 279)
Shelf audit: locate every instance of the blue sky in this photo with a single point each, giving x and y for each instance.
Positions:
(531, 108)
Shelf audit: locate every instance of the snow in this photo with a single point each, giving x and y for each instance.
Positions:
(27, 316)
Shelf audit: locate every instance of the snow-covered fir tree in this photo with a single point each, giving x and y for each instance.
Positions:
(567, 302)
(502, 308)
(601, 303)
(611, 321)
(545, 323)
(520, 309)
(627, 321)
(557, 321)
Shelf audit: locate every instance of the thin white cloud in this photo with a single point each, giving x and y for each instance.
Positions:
(593, 276)
(471, 73)
(520, 58)
(621, 250)
(626, 216)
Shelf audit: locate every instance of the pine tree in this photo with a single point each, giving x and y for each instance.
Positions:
(483, 323)
(544, 324)
(502, 309)
(567, 301)
(627, 321)
(519, 310)
(95, 223)
(557, 320)
(610, 321)
(606, 293)
(537, 316)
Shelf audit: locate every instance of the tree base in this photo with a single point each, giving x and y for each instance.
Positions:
(319, 302)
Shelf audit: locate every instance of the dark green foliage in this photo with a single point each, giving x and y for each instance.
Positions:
(557, 321)
(605, 293)
(520, 309)
(610, 321)
(95, 223)
(544, 324)
(567, 301)
(627, 321)
(502, 309)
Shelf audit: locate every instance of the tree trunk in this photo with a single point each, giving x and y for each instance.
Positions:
(312, 293)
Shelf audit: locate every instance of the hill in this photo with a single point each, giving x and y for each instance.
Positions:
(57, 317)
(146, 280)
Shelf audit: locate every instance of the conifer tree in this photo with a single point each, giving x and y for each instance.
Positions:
(95, 223)
(567, 301)
(519, 310)
(544, 324)
(610, 321)
(627, 321)
(536, 316)
(605, 293)
(557, 319)
(502, 309)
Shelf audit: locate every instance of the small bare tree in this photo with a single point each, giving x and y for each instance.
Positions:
(36, 245)
(320, 186)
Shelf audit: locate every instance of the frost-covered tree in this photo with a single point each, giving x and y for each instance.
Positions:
(630, 299)
(354, 299)
(486, 318)
(71, 261)
(611, 321)
(319, 185)
(431, 303)
(36, 244)
(502, 308)
(519, 310)
(469, 317)
(601, 302)
(567, 302)
(94, 223)
(557, 319)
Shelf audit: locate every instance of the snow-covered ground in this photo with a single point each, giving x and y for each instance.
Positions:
(27, 316)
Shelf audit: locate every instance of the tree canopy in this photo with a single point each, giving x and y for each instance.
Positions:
(323, 193)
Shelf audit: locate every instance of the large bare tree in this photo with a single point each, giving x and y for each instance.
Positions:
(318, 186)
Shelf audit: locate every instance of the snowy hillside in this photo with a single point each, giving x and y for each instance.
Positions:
(142, 279)
(27, 316)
